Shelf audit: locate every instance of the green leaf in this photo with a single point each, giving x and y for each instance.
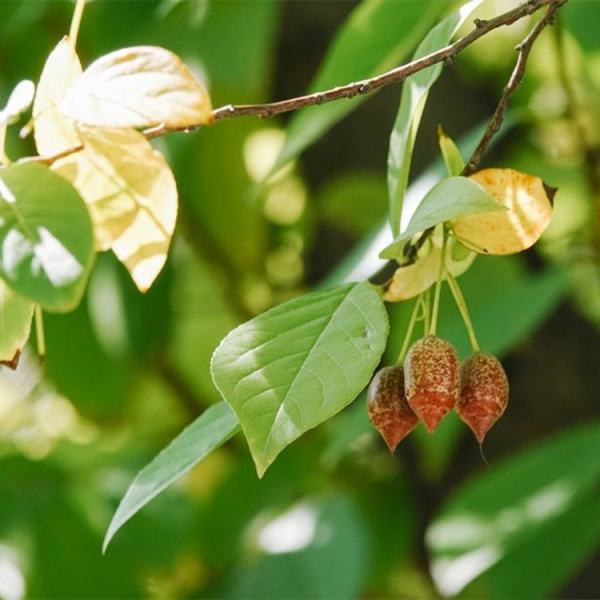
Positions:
(209, 431)
(16, 313)
(46, 236)
(498, 513)
(549, 557)
(453, 158)
(414, 96)
(450, 198)
(375, 38)
(332, 563)
(295, 366)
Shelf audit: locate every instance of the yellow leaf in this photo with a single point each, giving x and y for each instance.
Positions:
(529, 210)
(138, 87)
(53, 132)
(414, 279)
(131, 194)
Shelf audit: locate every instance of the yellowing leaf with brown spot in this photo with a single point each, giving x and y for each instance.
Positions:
(131, 194)
(411, 280)
(138, 87)
(529, 210)
(53, 131)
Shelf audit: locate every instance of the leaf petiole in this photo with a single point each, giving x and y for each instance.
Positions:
(462, 307)
(438, 286)
(39, 332)
(76, 21)
(411, 326)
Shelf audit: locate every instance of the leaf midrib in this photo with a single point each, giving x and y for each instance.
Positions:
(302, 366)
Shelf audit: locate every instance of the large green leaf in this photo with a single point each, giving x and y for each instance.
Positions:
(213, 428)
(46, 236)
(450, 198)
(376, 37)
(499, 513)
(15, 322)
(293, 367)
(414, 96)
(549, 557)
(317, 549)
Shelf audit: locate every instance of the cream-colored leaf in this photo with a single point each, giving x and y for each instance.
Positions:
(138, 87)
(132, 197)
(529, 211)
(19, 102)
(411, 280)
(53, 131)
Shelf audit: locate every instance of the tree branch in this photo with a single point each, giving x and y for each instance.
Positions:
(517, 75)
(365, 86)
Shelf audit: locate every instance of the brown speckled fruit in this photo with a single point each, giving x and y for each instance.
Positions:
(387, 406)
(431, 379)
(484, 393)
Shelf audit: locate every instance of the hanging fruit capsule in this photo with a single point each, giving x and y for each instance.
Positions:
(387, 407)
(431, 379)
(484, 393)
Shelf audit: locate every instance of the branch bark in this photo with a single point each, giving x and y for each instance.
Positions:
(516, 77)
(365, 86)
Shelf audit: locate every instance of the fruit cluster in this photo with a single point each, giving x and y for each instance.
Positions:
(430, 385)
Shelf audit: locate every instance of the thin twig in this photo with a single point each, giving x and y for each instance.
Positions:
(350, 90)
(517, 75)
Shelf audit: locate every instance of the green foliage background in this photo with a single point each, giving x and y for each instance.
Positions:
(335, 516)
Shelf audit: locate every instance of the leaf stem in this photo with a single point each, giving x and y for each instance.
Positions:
(39, 332)
(426, 301)
(438, 286)
(409, 332)
(76, 21)
(462, 307)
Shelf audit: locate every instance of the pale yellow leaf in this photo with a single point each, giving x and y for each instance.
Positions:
(529, 210)
(411, 280)
(138, 87)
(19, 102)
(131, 194)
(53, 132)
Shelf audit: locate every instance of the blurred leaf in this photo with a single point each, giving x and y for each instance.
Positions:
(354, 202)
(549, 557)
(19, 101)
(376, 37)
(498, 512)
(580, 16)
(137, 87)
(46, 236)
(453, 158)
(415, 91)
(72, 345)
(213, 428)
(450, 198)
(294, 366)
(324, 554)
(344, 429)
(506, 304)
(53, 132)
(132, 196)
(202, 315)
(16, 313)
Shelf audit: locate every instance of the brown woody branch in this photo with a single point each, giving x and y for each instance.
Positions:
(365, 86)
(517, 75)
